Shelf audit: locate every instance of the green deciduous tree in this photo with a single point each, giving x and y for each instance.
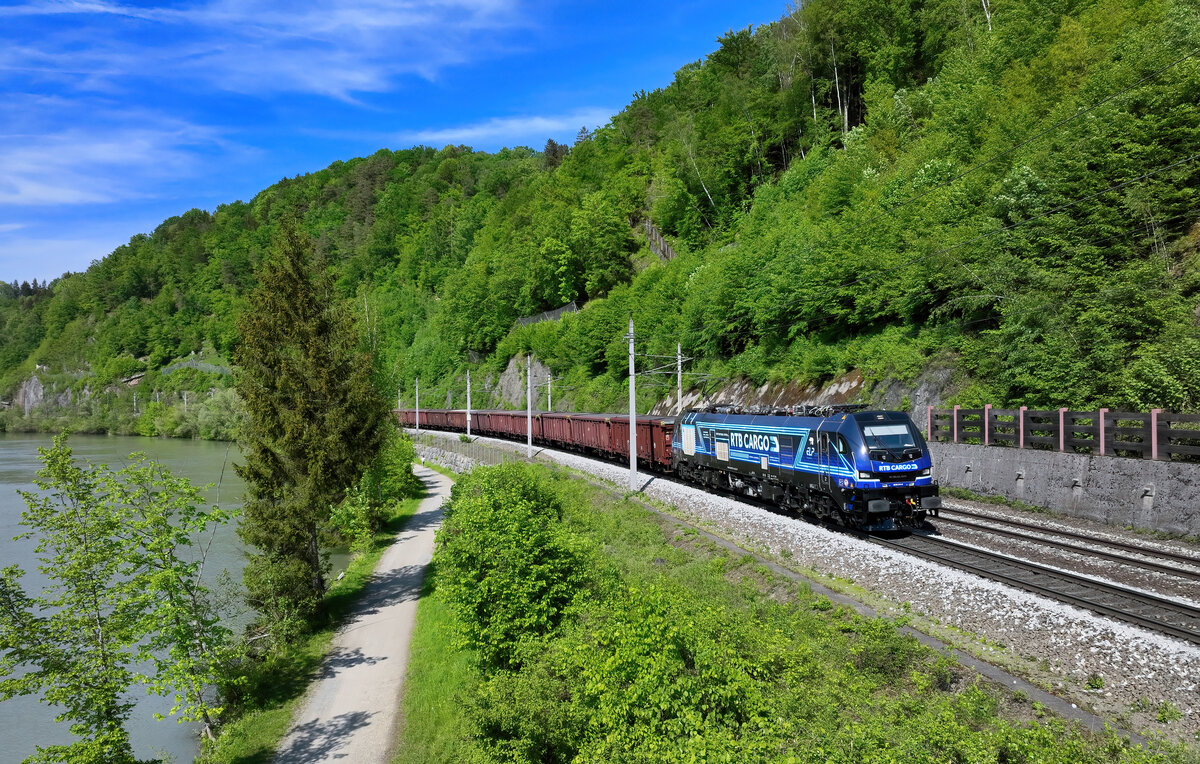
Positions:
(78, 638)
(185, 641)
(121, 591)
(313, 425)
(600, 239)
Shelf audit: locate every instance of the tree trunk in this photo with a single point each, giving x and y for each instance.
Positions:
(314, 556)
(837, 83)
(692, 156)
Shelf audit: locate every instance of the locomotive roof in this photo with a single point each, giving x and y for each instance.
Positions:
(861, 417)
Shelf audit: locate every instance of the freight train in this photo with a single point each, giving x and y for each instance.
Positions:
(869, 470)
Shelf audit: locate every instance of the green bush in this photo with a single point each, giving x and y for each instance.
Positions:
(356, 518)
(147, 423)
(387, 482)
(393, 468)
(666, 677)
(506, 567)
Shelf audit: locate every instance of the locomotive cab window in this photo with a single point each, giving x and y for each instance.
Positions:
(823, 445)
(892, 436)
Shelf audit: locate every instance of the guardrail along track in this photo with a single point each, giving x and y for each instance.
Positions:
(1173, 570)
(1170, 617)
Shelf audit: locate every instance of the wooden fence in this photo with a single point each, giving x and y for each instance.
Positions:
(549, 315)
(1154, 435)
(658, 245)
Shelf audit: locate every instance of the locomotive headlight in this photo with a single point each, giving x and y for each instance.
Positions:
(864, 475)
(925, 472)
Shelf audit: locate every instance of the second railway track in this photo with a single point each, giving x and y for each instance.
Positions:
(1079, 543)
(1177, 619)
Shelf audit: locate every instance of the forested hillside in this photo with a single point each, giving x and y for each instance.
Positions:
(1007, 190)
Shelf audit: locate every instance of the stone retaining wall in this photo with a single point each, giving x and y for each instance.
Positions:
(1138, 493)
(445, 459)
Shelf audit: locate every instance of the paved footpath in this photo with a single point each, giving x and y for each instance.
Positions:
(352, 708)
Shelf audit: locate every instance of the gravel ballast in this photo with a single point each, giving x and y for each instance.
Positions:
(1142, 680)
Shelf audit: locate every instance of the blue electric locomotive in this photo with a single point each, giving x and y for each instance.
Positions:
(865, 469)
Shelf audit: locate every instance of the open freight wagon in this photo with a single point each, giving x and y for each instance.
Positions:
(605, 435)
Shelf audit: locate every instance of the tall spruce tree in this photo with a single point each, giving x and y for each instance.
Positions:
(314, 424)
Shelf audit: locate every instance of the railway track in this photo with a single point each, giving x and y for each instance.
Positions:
(1086, 548)
(1167, 616)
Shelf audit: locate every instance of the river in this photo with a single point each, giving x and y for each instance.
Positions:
(25, 722)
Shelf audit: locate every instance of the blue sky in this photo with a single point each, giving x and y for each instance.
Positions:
(118, 115)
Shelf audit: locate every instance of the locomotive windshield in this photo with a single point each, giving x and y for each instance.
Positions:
(892, 436)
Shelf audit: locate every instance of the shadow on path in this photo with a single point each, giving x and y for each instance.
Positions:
(416, 524)
(320, 740)
(340, 659)
(401, 585)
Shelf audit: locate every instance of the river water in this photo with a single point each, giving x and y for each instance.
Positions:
(26, 723)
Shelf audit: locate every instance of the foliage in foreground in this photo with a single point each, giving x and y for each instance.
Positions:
(661, 649)
(123, 591)
(512, 573)
(389, 480)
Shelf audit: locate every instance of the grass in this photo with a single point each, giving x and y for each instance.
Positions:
(442, 470)
(436, 724)
(278, 685)
(968, 495)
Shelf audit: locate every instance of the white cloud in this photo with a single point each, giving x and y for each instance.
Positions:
(330, 47)
(511, 131)
(10, 227)
(97, 164)
(55, 151)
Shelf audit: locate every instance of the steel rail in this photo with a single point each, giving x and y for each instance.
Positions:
(1136, 548)
(1080, 549)
(1167, 616)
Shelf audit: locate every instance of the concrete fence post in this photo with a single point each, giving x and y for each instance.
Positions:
(1021, 426)
(929, 424)
(1100, 417)
(956, 424)
(1062, 430)
(1154, 433)
(987, 424)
